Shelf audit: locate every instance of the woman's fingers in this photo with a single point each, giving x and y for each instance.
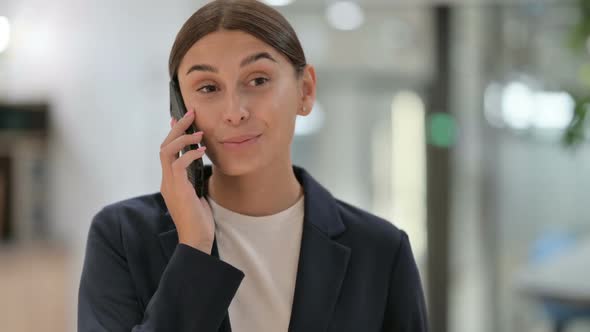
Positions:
(181, 142)
(179, 165)
(169, 153)
(179, 127)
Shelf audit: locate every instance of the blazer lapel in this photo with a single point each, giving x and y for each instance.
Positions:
(322, 261)
(322, 267)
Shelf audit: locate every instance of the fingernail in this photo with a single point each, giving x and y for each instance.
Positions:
(198, 133)
(190, 113)
(202, 148)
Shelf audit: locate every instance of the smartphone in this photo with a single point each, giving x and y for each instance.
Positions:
(195, 170)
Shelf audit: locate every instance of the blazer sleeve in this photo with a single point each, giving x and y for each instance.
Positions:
(406, 308)
(193, 294)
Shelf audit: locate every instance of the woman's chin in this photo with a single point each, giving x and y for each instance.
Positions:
(236, 167)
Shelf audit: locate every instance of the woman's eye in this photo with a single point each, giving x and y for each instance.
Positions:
(208, 88)
(258, 81)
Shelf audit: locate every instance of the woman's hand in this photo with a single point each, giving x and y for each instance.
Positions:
(191, 215)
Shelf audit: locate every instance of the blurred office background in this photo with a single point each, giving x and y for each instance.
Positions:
(446, 117)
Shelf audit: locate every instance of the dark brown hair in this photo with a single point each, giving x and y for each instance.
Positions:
(250, 16)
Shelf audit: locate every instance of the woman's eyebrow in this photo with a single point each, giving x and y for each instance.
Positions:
(247, 60)
(255, 57)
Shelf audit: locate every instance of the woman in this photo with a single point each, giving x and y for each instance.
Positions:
(268, 248)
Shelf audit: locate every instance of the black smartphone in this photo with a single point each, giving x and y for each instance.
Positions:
(195, 170)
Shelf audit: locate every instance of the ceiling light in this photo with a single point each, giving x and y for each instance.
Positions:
(345, 15)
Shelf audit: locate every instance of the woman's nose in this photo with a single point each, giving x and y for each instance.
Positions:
(235, 112)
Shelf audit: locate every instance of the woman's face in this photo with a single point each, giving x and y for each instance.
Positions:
(243, 90)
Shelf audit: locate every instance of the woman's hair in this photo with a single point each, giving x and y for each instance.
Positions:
(250, 16)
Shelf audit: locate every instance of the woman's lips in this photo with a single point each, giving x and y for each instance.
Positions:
(240, 142)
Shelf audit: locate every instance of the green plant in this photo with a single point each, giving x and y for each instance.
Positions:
(580, 41)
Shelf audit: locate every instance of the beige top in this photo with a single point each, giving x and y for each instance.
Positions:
(266, 249)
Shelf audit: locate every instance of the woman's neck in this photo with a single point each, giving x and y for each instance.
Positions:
(264, 192)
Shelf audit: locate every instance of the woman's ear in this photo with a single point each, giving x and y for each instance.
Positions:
(308, 90)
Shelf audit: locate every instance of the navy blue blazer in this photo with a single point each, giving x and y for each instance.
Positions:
(356, 272)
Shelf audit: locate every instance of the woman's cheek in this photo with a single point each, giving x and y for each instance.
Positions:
(205, 114)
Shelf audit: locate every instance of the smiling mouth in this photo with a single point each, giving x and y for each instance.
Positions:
(238, 143)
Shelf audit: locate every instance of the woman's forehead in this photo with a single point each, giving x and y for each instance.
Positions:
(228, 46)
